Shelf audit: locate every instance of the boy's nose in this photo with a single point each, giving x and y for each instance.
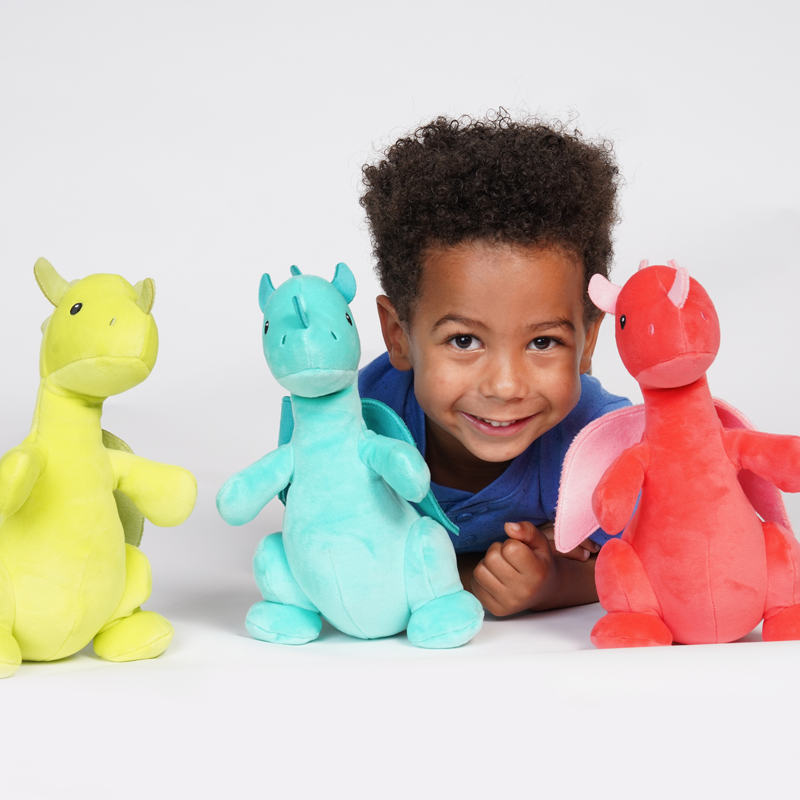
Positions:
(504, 379)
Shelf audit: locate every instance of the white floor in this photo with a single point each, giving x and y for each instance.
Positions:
(528, 708)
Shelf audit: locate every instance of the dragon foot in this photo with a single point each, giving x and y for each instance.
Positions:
(630, 629)
(10, 656)
(275, 622)
(783, 626)
(448, 621)
(144, 634)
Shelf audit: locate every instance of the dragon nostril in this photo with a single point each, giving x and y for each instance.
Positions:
(283, 340)
(652, 329)
(113, 320)
(703, 315)
(334, 336)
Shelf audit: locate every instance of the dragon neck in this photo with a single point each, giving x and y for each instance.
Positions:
(66, 414)
(326, 416)
(667, 411)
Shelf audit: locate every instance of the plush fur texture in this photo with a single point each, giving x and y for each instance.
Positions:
(353, 549)
(72, 496)
(695, 563)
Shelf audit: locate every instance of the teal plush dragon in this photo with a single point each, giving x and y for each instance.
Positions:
(353, 549)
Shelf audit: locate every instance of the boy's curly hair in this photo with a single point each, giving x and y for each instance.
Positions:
(523, 182)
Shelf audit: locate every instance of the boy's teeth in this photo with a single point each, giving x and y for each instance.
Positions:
(496, 424)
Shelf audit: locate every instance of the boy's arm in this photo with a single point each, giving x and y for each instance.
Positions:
(525, 574)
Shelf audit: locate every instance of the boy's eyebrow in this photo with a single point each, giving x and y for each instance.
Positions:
(465, 321)
(559, 322)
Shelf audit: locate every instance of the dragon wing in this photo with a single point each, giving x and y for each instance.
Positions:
(764, 496)
(131, 518)
(596, 447)
(381, 419)
(591, 453)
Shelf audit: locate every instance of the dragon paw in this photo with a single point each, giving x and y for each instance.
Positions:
(783, 626)
(280, 624)
(144, 634)
(630, 629)
(448, 621)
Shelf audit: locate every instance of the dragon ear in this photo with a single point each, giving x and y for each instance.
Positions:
(146, 291)
(604, 294)
(50, 282)
(344, 281)
(265, 289)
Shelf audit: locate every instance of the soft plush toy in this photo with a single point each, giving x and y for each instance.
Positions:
(696, 563)
(71, 494)
(352, 548)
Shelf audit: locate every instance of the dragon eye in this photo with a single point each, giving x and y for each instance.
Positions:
(76, 308)
(622, 322)
(266, 327)
(347, 317)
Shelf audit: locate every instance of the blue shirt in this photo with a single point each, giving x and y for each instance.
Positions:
(526, 491)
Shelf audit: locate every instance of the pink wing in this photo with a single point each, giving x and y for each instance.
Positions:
(596, 447)
(765, 498)
(591, 453)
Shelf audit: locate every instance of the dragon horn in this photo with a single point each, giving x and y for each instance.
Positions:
(604, 294)
(680, 287)
(300, 310)
(643, 264)
(53, 286)
(146, 294)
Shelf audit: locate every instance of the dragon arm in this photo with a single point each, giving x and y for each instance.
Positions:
(244, 494)
(398, 463)
(615, 496)
(165, 494)
(20, 468)
(773, 457)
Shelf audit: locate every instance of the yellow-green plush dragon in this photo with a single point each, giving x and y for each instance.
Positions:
(72, 496)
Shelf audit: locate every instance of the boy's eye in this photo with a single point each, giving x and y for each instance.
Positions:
(543, 343)
(466, 342)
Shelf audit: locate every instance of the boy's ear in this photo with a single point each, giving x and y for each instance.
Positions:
(394, 334)
(589, 344)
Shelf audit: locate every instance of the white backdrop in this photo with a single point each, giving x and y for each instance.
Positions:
(204, 143)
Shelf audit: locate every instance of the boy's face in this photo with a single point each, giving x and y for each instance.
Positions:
(497, 343)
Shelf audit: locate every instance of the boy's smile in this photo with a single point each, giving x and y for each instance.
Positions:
(497, 343)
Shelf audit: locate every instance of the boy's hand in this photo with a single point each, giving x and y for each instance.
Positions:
(580, 553)
(525, 573)
(516, 574)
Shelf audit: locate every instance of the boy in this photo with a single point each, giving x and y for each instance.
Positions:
(486, 234)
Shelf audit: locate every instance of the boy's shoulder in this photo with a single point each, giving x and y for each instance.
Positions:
(379, 380)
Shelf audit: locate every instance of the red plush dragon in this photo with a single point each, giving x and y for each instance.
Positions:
(708, 551)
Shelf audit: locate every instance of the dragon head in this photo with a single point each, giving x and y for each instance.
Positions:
(667, 329)
(309, 335)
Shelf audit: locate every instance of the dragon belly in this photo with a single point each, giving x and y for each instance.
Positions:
(67, 575)
(703, 551)
(353, 569)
